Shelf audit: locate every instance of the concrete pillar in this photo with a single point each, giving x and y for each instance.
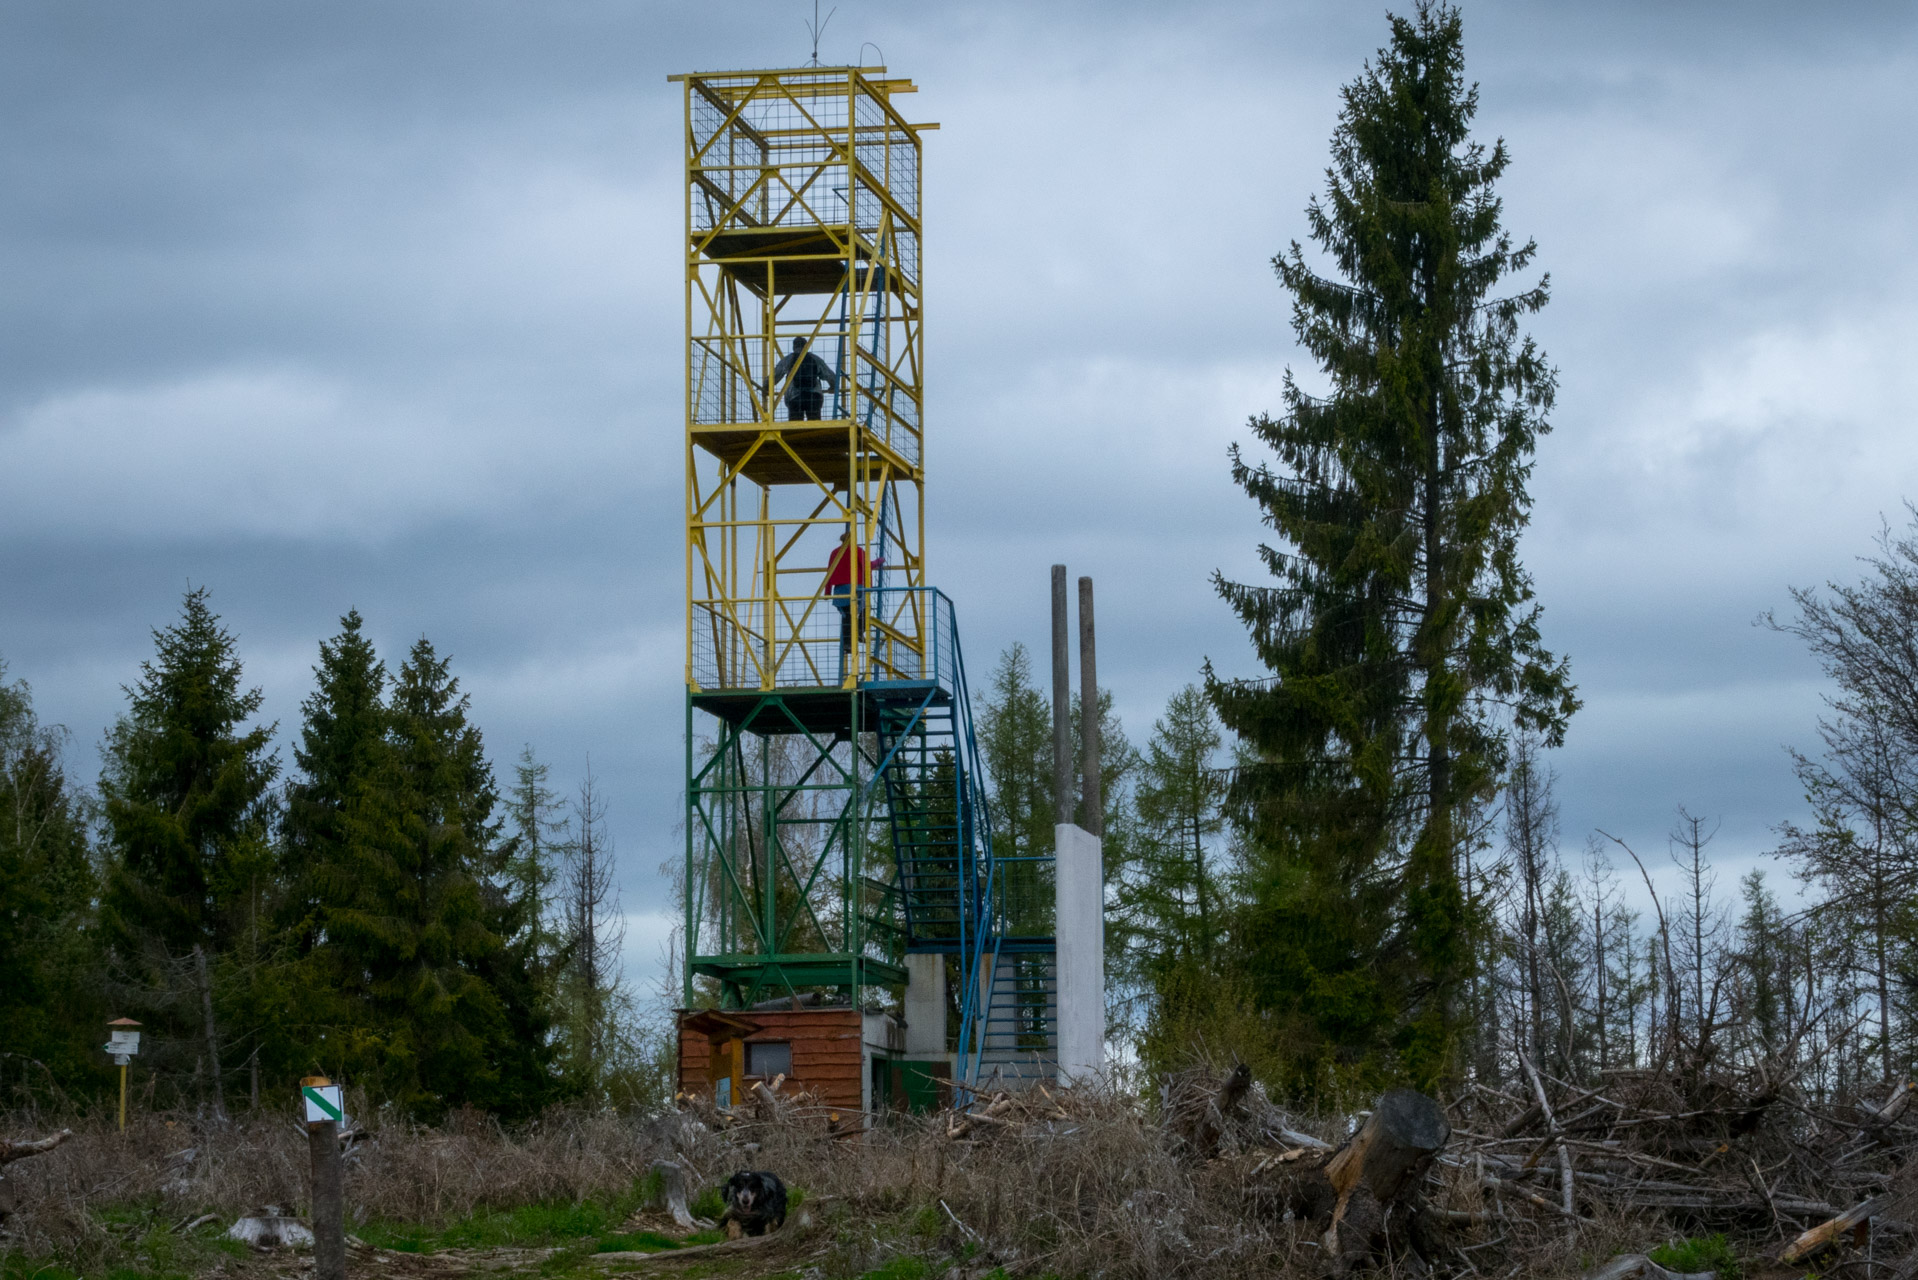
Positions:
(925, 1007)
(1091, 785)
(1062, 797)
(1080, 881)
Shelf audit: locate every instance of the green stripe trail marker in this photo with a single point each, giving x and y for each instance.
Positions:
(322, 1102)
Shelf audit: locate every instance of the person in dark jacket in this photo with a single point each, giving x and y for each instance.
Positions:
(811, 379)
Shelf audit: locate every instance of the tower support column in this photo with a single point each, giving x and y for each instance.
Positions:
(1080, 929)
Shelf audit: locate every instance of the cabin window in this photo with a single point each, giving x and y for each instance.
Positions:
(769, 1059)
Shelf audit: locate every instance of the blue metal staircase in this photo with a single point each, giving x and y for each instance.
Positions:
(956, 898)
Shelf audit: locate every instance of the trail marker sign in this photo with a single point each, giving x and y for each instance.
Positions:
(123, 1041)
(322, 1103)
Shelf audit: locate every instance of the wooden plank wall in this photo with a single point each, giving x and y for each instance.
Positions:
(828, 1060)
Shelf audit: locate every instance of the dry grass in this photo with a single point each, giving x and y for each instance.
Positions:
(1104, 1192)
(77, 1203)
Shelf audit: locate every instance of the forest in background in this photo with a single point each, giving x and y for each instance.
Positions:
(385, 913)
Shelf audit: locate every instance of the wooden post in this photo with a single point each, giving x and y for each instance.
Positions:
(1091, 785)
(329, 1208)
(123, 1097)
(1061, 703)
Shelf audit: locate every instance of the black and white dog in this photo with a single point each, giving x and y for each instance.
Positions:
(755, 1204)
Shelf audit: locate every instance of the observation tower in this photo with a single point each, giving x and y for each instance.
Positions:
(840, 883)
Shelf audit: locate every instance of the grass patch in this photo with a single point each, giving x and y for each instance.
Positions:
(902, 1267)
(524, 1226)
(709, 1204)
(13, 1267)
(635, 1242)
(1699, 1253)
(142, 1249)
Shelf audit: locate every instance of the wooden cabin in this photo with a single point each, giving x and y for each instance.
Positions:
(843, 1056)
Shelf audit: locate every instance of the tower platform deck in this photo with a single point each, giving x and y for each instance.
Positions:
(801, 453)
(837, 712)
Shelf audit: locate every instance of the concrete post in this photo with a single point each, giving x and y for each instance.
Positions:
(1082, 954)
(1061, 702)
(925, 1007)
(1091, 785)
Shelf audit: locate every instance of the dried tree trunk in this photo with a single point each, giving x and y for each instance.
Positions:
(11, 1151)
(1382, 1163)
(1826, 1232)
(1568, 1201)
(212, 1033)
(1209, 1131)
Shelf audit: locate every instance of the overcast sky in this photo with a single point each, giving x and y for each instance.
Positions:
(377, 306)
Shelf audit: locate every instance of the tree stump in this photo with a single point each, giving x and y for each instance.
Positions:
(672, 1193)
(1381, 1165)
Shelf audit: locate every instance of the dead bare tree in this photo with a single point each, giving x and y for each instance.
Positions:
(591, 988)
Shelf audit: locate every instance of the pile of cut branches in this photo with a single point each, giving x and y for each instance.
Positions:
(1712, 1150)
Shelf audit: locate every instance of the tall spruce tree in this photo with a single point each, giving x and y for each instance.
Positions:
(338, 808)
(189, 815)
(417, 950)
(1402, 632)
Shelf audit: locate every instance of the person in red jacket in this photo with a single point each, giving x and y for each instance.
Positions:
(847, 571)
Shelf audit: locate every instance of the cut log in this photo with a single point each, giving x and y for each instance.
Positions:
(1355, 1221)
(1636, 1266)
(766, 1098)
(1827, 1232)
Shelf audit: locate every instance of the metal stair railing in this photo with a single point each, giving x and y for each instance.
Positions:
(956, 895)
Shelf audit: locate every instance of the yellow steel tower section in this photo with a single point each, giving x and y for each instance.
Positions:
(804, 450)
(802, 220)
